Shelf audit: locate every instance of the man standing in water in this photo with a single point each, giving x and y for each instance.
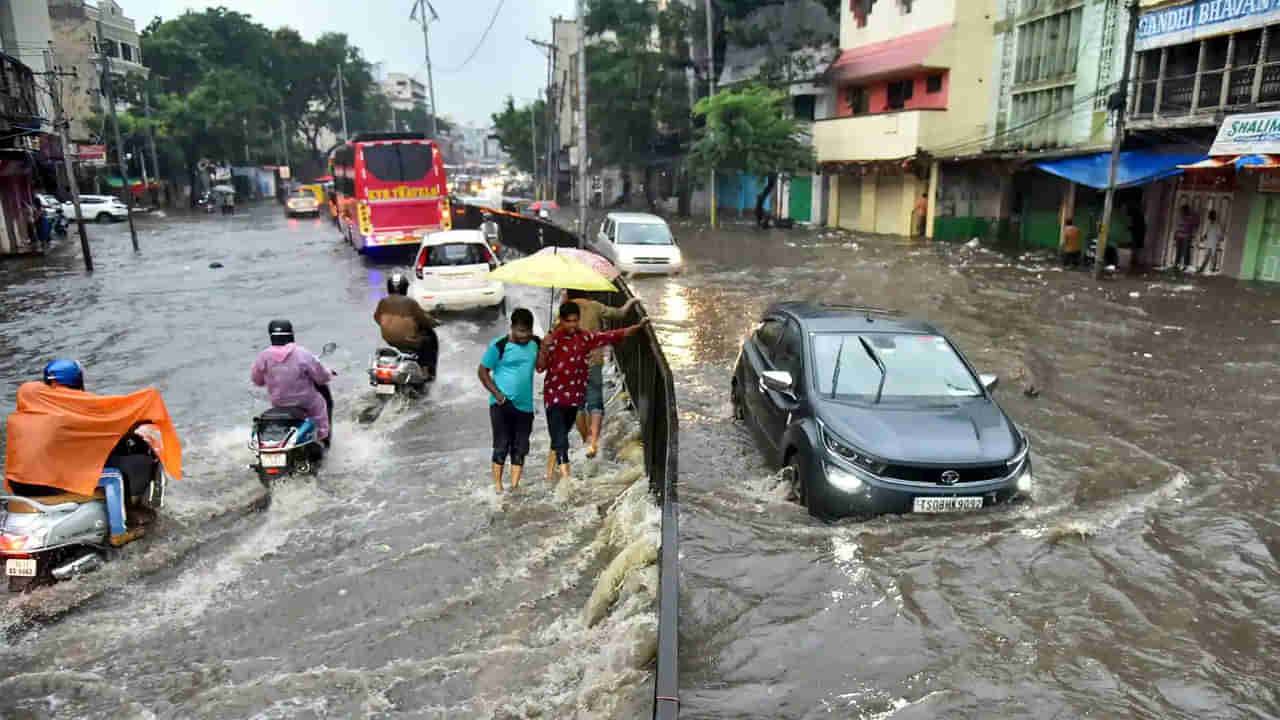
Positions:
(506, 371)
(564, 358)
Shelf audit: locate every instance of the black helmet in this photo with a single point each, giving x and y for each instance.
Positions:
(397, 284)
(281, 332)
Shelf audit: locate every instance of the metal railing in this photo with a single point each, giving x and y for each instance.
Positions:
(651, 386)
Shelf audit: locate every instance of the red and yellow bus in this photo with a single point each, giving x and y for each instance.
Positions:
(390, 190)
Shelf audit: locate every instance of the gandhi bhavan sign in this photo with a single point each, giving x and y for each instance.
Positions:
(1256, 134)
(1202, 18)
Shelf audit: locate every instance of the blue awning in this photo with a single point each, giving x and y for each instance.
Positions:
(1136, 167)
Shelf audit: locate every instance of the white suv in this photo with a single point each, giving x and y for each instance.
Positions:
(639, 244)
(103, 208)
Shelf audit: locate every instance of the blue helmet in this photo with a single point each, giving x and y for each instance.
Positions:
(65, 372)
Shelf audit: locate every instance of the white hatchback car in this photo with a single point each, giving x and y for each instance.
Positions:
(103, 208)
(639, 244)
(453, 272)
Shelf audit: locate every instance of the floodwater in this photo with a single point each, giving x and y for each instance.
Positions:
(1140, 582)
(394, 584)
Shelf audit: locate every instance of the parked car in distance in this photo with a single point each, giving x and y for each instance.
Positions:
(639, 244)
(49, 204)
(302, 201)
(452, 270)
(872, 412)
(103, 208)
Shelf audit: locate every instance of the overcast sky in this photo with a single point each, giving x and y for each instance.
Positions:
(506, 64)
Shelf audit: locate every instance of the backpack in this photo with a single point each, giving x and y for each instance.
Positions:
(502, 344)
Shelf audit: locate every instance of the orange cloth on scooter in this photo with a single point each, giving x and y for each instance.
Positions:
(60, 437)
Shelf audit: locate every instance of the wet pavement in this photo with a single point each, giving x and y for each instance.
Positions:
(1142, 579)
(394, 584)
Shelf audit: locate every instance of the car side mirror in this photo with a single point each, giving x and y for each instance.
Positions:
(778, 381)
(989, 381)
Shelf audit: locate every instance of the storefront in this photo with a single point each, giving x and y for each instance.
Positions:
(1240, 184)
(17, 233)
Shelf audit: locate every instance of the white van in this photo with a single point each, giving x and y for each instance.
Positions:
(639, 243)
(452, 268)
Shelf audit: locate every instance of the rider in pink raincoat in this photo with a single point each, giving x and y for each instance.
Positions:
(294, 377)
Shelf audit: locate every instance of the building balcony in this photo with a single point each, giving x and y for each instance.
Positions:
(884, 136)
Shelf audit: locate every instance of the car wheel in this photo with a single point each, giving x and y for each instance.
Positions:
(794, 474)
(104, 217)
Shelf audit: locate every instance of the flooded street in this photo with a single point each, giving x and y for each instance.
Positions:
(1142, 579)
(393, 584)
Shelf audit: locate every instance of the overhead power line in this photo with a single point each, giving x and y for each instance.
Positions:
(480, 44)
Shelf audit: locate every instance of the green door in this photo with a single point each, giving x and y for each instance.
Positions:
(801, 199)
(1269, 243)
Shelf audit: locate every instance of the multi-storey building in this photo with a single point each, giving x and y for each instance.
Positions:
(79, 49)
(404, 91)
(907, 92)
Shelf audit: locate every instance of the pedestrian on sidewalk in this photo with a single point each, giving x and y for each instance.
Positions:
(506, 371)
(1213, 238)
(920, 216)
(592, 318)
(1070, 243)
(1188, 223)
(564, 357)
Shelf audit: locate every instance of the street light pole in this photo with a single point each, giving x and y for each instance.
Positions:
(151, 133)
(711, 83)
(423, 6)
(582, 122)
(115, 121)
(342, 105)
(1120, 107)
(62, 124)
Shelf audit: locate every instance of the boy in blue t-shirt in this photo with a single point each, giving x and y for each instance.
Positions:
(506, 371)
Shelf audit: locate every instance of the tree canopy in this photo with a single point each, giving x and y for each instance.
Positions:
(747, 129)
(514, 128)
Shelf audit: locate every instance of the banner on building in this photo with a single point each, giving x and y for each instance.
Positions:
(91, 154)
(1257, 133)
(1202, 18)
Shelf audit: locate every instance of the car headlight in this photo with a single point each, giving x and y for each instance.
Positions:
(852, 454)
(676, 256)
(842, 479)
(1015, 462)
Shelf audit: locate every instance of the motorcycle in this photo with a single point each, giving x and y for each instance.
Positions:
(392, 372)
(284, 442)
(59, 223)
(47, 534)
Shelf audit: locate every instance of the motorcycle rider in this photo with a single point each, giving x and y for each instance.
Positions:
(406, 326)
(67, 373)
(489, 227)
(294, 377)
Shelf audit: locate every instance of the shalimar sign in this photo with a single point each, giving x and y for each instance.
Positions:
(403, 192)
(1202, 18)
(1258, 133)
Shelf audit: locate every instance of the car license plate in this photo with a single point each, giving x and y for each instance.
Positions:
(274, 460)
(945, 504)
(385, 389)
(20, 567)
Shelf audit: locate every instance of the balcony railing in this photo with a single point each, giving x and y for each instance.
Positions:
(1248, 85)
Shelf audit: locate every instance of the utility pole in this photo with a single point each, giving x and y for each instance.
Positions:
(424, 6)
(284, 140)
(115, 121)
(582, 122)
(550, 49)
(151, 133)
(62, 124)
(711, 82)
(342, 105)
(533, 136)
(1119, 102)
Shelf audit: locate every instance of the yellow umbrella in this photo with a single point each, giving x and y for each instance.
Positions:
(552, 270)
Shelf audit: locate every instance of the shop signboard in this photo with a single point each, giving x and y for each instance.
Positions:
(1253, 134)
(91, 154)
(1177, 24)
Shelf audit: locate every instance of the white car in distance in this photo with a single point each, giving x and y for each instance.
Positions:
(103, 208)
(452, 270)
(639, 244)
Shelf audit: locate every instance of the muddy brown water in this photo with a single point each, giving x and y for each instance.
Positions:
(1141, 581)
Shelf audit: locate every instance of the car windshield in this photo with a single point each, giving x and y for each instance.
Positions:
(643, 234)
(915, 367)
(303, 194)
(457, 254)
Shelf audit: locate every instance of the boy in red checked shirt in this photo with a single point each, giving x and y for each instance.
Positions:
(563, 358)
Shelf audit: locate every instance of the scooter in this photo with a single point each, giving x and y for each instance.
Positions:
(284, 442)
(47, 535)
(392, 372)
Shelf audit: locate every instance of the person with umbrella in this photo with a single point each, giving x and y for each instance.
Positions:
(594, 315)
(565, 357)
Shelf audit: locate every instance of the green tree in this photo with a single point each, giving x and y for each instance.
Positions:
(417, 119)
(514, 129)
(749, 130)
